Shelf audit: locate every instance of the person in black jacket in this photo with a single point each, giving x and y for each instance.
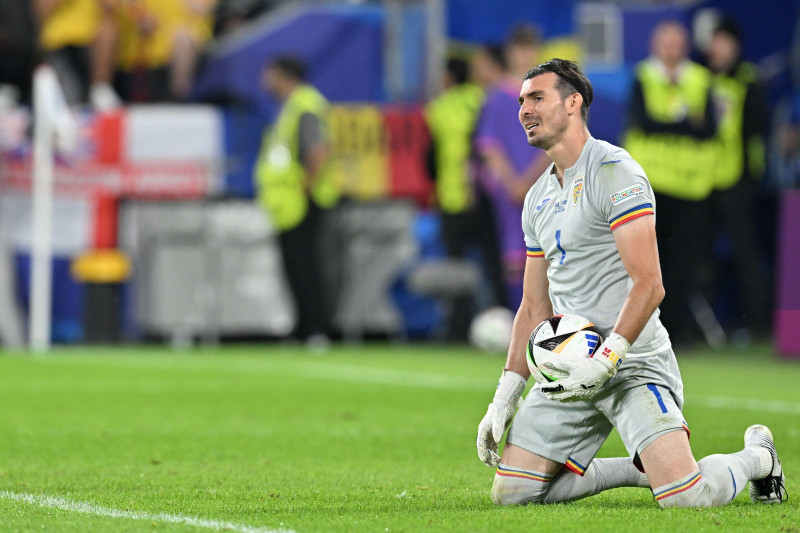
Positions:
(741, 113)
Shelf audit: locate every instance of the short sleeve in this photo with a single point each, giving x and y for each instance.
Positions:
(490, 125)
(622, 192)
(531, 241)
(309, 134)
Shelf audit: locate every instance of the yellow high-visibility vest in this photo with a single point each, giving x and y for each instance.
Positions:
(281, 178)
(451, 119)
(729, 96)
(676, 165)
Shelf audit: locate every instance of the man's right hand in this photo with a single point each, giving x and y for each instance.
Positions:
(498, 416)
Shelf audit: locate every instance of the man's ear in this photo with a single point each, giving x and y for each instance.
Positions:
(574, 103)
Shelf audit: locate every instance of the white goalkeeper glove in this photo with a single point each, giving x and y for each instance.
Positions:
(587, 375)
(499, 415)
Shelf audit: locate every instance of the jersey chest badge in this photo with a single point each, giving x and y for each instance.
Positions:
(577, 189)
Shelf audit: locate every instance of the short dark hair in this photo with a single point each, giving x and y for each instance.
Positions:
(729, 26)
(289, 66)
(524, 35)
(570, 81)
(458, 70)
(496, 54)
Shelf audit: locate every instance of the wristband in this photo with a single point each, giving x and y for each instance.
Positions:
(614, 350)
(510, 386)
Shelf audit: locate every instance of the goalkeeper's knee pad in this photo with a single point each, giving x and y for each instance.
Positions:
(689, 491)
(515, 486)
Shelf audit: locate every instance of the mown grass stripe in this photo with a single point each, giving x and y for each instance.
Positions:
(330, 369)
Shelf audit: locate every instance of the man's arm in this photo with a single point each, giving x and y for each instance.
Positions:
(636, 242)
(700, 128)
(313, 147)
(45, 8)
(517, 186)
(534, 308)
(755, 128)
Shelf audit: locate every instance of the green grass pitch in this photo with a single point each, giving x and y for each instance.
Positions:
(374, 437)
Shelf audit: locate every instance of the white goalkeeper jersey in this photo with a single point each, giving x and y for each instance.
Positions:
(571, 226)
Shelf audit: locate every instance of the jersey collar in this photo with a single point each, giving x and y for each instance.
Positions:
(580, 163)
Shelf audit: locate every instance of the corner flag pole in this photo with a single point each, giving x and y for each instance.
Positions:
(51, 117)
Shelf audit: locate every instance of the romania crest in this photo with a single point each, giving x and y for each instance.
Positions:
(577, 188)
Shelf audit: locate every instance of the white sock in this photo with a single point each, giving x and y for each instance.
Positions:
(602, 474)
(719, 480)
(728, 474)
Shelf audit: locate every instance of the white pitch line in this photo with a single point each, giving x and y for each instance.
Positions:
(386, 376)
(56, 502)
(410, 378)
(747, 404)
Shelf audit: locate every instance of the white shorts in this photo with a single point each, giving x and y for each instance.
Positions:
(642, 401)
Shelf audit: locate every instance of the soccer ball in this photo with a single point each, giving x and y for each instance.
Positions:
(490, 330)
(557, 338)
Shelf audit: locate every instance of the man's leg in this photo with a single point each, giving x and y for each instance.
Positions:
(735, 209)
(569, 434)
(678, 481)
(650, 422)
(486, 235)
(300, 266)
(460, 311)
(524, 477)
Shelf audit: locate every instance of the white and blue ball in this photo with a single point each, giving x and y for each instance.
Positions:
(491, 329)
(555, 341)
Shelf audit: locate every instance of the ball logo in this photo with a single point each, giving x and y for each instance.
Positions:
(592, 342)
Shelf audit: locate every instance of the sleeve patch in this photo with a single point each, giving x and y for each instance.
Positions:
(535, 252)
(626, 194)
(631, 214)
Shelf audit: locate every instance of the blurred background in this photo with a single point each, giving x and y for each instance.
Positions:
(209, 171)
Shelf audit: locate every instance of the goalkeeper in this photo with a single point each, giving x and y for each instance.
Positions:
(589, 224)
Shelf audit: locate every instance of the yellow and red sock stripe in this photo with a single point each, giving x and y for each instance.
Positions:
(573, 466)
(631, 214)
(534, 476)
(677, 489)
(535, 252)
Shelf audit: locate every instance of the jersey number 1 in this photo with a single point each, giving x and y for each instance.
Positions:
(558, 245)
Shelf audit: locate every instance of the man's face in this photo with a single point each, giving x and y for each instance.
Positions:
(723, 51)
(670, 43)
(542, 112)
(482, 68)
(522, 56)
(271, 80)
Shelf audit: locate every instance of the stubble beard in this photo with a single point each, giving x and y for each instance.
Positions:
(547, 140)
(544, 142)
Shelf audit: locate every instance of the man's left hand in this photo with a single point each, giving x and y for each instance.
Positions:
(585, 379)
(586, 376)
